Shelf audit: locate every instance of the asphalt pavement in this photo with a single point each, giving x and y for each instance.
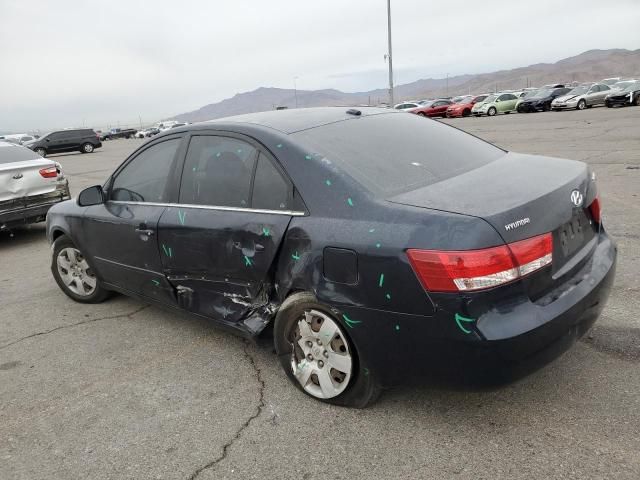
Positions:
(126, 390)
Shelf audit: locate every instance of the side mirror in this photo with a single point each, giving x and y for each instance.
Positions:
(91, 196)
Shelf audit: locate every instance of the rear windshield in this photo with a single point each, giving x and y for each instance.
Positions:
(16, 154)
(394, 153)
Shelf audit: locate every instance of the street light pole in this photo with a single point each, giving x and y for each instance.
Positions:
(295, 90)
(389, 55)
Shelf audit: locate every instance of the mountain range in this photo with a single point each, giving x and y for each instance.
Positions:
(592, 65)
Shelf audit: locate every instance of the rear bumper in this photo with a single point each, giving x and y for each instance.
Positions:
(32, 209)
(513, 338)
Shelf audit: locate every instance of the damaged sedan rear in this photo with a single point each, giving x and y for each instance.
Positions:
(378, 245)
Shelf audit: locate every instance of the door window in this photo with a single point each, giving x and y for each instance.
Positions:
(270, 189)
(604, 88)
(217, 172)
(144, 179)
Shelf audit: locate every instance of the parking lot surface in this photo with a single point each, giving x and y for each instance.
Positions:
(126, 390)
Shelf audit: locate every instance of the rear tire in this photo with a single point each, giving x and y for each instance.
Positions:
(86, 148)
(582, 104)
(302, 316)
(492, 111)
(73, 274)
(41, 151)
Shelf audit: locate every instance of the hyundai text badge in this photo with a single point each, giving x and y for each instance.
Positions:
(576, 198)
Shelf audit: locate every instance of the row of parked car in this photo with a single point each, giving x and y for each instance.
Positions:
(609, 92)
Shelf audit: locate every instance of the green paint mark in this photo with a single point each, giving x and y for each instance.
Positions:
(218, 154)
(239, 150)
(378, 245)
(266, 232)
(301, 366)
(194, 169)
(170, 253)
(156, 283)
(350, 202)
(295, 256)
(460, 319)
(279, 145)
(247, 261)
(371, 230)
(328, 182)
(167, 250)
(388, 296)
(366, 372)
(350, 323)
(181, 217)
(307, 157)
(397, 327)
(381, 281)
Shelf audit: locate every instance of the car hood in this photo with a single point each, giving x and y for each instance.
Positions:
(566, 98)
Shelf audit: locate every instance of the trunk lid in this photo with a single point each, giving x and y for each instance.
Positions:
(522, 196)
(23, 179)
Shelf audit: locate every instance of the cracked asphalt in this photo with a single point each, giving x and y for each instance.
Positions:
(126, 390)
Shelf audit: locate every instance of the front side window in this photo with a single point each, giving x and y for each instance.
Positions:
(270, 189)
(144, 179)
(217, 172)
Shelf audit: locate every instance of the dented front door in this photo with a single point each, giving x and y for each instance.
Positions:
(219, 260)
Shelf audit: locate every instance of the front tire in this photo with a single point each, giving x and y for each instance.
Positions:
(492, 111)
(73, 274)
(582, 104)
(318, 356)
(86, 148)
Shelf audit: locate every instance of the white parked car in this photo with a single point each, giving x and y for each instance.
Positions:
(29, 186)
(407, 105)
(581, 97)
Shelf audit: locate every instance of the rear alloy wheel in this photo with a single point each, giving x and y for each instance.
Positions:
(41, 151)
(318, 356)
(73, 274)
(87, 148)
(582, 104)
(492, 111)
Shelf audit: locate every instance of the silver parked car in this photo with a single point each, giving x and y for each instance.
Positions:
(29, 186)
(581, 97)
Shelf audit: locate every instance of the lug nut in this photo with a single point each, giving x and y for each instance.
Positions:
(309, 344)
(310, 357)
(320, 363)
(326, 354)
(319, 342)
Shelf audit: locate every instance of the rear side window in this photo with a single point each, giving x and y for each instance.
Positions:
(217, 172)
(144, 179)
(393, 153)
(270, 189)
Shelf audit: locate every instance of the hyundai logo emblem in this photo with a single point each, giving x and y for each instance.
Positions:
(576, 198)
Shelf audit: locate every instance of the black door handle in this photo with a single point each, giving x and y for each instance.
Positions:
(145, 231)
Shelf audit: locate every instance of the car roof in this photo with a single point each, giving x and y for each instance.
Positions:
(294, 120)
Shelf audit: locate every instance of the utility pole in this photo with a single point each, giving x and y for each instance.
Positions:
(389, 54)
(447, 85)
(295, 90)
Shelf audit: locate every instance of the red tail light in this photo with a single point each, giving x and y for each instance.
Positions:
(594, 208)
(468, 270)
(50, 172)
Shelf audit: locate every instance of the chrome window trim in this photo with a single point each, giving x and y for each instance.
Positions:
(290, 213)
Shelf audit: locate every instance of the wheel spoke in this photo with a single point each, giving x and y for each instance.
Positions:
(303, 345)
(342, 363)
(327, 331)
(305, 329)
(89, 281)
(302, 372)
(326, 384)
(71, 254)
(63, 262)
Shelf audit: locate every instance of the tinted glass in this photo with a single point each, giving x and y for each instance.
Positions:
(144, 179)
(393, 153)
(9, 154)
(604, 87)
(270, 190)
(217, 172)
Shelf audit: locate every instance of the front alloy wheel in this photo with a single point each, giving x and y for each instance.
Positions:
(582, 104)
(492, 111)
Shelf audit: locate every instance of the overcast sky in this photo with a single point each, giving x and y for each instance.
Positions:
(66, 62)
